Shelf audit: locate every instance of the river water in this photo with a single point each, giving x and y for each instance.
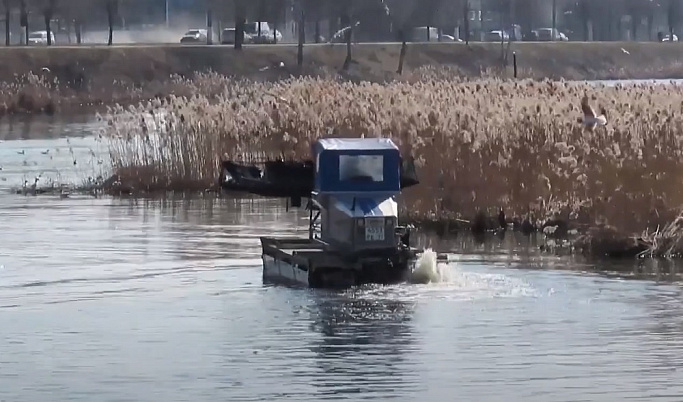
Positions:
(145, 300)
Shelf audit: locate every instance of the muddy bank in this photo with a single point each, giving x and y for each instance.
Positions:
(63, 79)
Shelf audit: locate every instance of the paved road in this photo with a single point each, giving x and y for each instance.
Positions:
(134, 45)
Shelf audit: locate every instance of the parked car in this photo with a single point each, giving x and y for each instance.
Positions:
(267, 35)
(194, 36)
(424, 34)
(550, 34)
(228, 37)
(40, 38)
(497, 36)
(449, 38)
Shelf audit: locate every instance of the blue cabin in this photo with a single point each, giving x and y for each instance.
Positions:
(356, 181)
(357, 165)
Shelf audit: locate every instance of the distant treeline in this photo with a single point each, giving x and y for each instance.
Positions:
(378, 19)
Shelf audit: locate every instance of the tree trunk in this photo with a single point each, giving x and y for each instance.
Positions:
(635, 21)
(7, 21)
(69, 27)
(404, 49)
(239, 27)
(47, 16)
(671, 17)
(209, 26)
(349, 57)
(79, 31)
(585, 19)
(302, 37)
(261, 7)
(24, 20)
(466, 21)
(348, 35)
(111, 9)
(274, 30)
(650, 23)
(332, 23)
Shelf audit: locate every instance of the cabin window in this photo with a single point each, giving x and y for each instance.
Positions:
(361, 168)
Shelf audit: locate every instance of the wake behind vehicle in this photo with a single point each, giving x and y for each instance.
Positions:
(353, 237)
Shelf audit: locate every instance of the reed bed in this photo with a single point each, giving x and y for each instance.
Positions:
(44, 92)
(479, 144)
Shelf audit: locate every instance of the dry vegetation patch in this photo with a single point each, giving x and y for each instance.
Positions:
(480, 144)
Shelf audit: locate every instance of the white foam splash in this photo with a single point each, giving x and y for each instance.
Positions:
(447, 281)
(427, 270)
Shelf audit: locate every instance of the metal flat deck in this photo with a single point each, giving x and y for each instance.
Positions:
(301, 251)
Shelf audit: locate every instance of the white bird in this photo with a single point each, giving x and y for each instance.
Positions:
(45, 70)
(590, 118)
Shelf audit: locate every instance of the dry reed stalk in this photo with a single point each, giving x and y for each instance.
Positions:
(667, 242)
(479, 143)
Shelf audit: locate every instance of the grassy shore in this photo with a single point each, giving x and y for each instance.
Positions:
(480, 145)
(64, 79)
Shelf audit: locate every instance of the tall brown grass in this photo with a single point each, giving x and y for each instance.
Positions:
(479, 144)
(43, 92)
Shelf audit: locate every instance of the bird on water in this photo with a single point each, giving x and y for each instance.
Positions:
(590, 118)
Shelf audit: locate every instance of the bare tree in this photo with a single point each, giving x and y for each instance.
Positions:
(8, 13)
(75, 12)
(301, 28)
(217, 11)
(636, 10)
(209, 25)
(401, 12)
(240, 22)
(49, 8)
(23, 19)
(466, 20)
(585, 15)
(347, 21)
(673, 16)
(313, 10)
(112, 7)
(275, 10)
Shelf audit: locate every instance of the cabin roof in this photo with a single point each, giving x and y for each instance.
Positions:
(356, 144)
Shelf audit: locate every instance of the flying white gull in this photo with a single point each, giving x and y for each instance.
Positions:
(590, 118)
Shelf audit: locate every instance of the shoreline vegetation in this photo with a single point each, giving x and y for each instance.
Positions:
(66, 79)
(482, 144)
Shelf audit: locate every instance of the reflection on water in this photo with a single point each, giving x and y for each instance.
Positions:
(364, 346)
(41, 127)
(149, 300)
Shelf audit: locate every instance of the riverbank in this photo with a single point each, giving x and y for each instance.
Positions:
(65, 79)
(514, 145)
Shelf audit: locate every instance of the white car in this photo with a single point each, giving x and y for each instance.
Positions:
(268, 35)
(40, 38)
(497, 36)
(195, 36)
